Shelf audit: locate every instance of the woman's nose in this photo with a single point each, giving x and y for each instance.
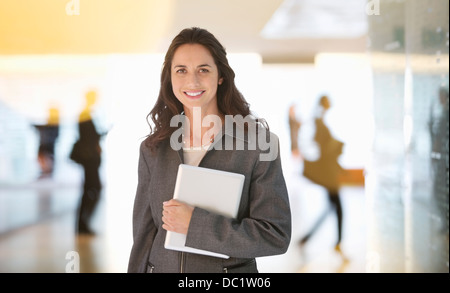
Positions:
(193, 80)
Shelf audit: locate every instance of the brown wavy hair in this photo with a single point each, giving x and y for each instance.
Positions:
(229, 100)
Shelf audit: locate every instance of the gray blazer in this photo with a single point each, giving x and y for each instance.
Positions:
(262, 228)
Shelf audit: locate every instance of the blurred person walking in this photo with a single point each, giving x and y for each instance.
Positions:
(48, 134)
(294, 128)
(87, 152)
(439, 129)
(325, 171)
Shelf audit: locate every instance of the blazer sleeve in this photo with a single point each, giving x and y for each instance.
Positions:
(144, 229)
(265, 231)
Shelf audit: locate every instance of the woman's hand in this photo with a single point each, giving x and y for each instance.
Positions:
(176, 216)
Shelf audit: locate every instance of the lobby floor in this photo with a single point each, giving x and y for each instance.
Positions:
(46, 243)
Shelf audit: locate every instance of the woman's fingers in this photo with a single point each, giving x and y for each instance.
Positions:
(176, 216)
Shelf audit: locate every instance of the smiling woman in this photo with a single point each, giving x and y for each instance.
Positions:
(196, 78)
(210, 62)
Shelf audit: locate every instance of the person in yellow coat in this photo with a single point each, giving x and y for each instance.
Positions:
(326, 170)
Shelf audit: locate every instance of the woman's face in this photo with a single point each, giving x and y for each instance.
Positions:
(195, 78)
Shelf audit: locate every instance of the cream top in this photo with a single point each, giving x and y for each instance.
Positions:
(193, 156)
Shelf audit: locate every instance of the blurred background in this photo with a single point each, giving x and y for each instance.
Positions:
(383, 64)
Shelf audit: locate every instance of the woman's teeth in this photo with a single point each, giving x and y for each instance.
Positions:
(193, 94)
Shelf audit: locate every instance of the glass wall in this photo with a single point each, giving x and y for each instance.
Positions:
(407, 181)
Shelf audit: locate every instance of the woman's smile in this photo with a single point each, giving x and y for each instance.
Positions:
(194, 94)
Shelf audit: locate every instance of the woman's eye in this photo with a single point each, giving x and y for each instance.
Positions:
(181, 71)
(204, 70)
